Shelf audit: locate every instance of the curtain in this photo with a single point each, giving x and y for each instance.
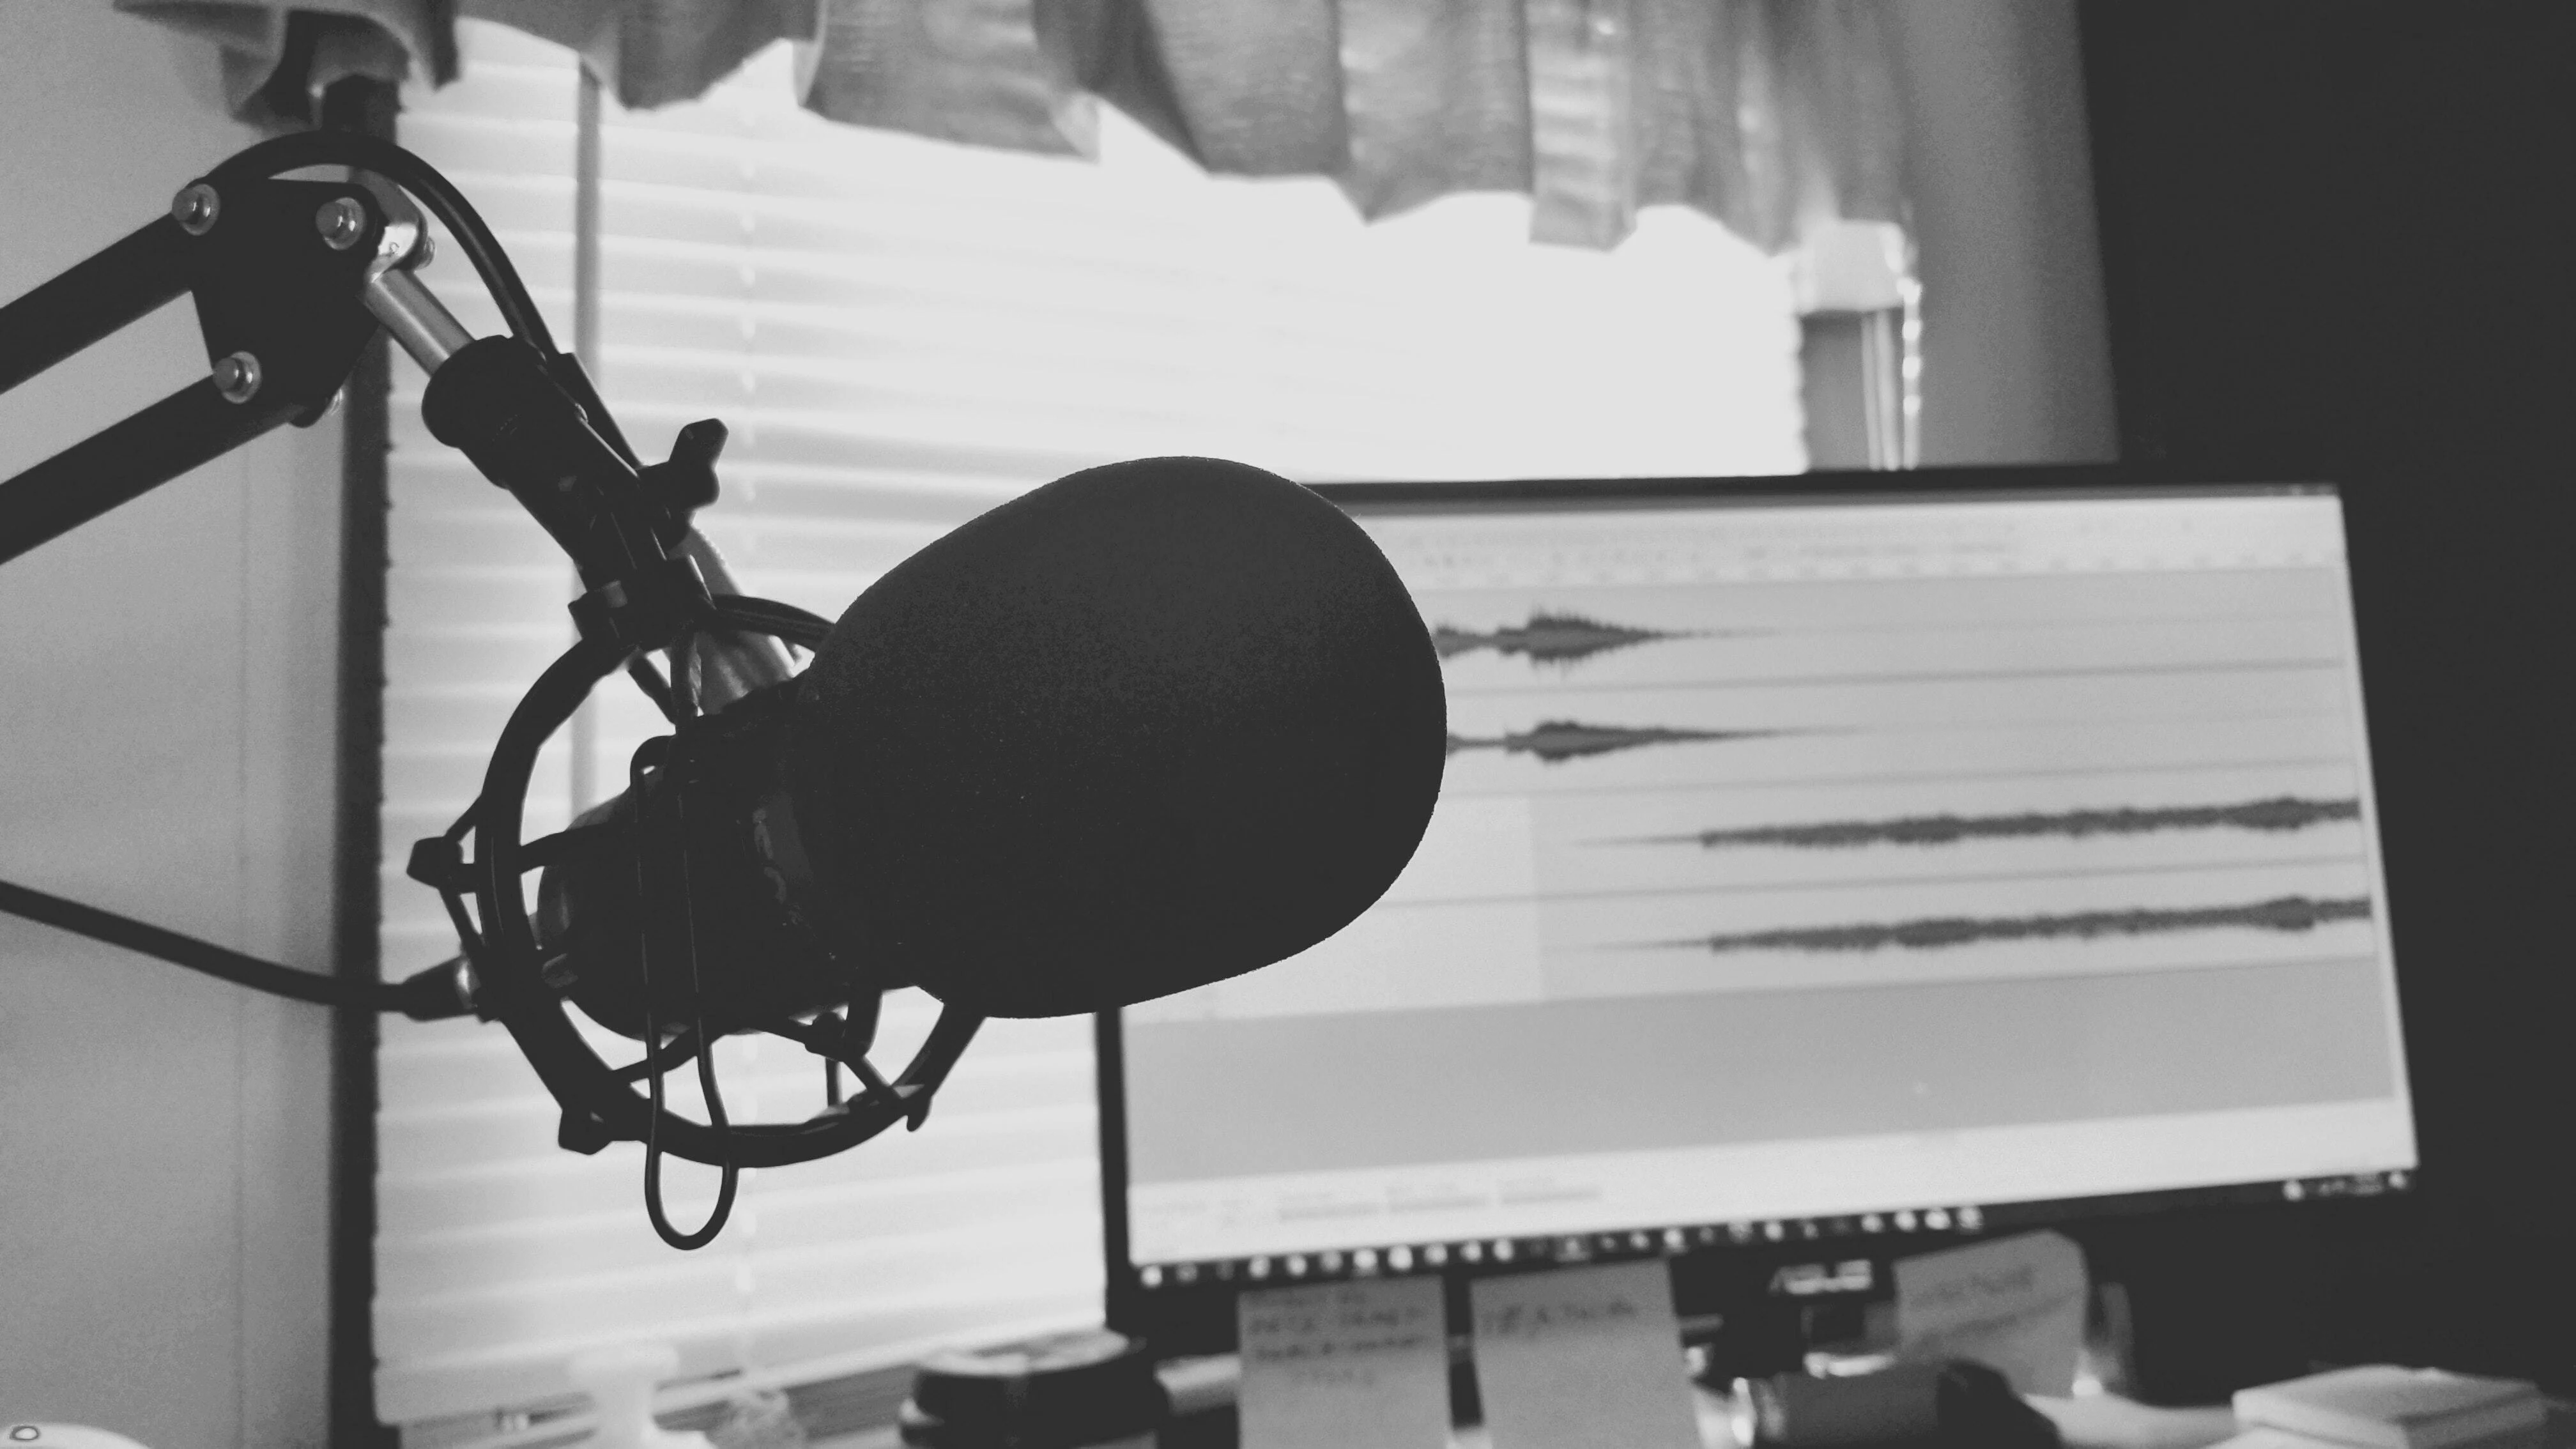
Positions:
(1770, 115)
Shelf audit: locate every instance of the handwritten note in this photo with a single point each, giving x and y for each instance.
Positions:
(2015, 1305)
(1361, 1365)
(1583, 1358)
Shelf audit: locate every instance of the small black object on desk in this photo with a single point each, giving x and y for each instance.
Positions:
(1949, 1404)
(1073, 1390)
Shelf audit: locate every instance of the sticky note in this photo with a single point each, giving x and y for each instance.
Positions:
(2015, 1305)
(1359, 1365)
(1582, 1358)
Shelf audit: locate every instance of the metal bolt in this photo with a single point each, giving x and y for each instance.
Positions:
(237, 377)
(195, 208)
(341, 223)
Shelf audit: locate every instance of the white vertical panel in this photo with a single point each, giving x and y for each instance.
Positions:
(168, 710)
(901, 333)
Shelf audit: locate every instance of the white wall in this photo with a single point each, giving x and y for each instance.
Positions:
(2016, 353)
(166, 712)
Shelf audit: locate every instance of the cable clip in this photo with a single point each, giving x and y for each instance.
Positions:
(583, 1133)
(646, 609)
(438, 862)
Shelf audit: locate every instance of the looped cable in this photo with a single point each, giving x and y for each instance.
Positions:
(646, 756)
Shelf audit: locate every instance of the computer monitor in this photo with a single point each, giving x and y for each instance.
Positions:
(1842, 863)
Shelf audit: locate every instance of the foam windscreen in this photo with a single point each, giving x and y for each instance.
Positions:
(1151, 726)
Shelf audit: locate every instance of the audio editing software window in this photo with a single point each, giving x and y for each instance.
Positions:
(1814, 858)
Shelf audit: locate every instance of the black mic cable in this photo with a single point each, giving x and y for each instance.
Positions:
(439, 992)
(647, 756)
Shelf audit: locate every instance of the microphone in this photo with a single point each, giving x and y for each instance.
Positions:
(1151, 726)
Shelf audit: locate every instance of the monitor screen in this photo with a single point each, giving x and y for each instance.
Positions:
(1816, 863)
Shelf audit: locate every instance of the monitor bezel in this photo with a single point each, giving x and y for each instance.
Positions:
(1198, 1318)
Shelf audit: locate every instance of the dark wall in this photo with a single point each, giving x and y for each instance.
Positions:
(2338, 243)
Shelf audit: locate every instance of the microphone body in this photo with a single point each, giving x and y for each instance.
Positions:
(697, 865)
(1151, 726)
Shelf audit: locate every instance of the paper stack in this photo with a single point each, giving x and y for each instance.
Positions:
(2382, 1406)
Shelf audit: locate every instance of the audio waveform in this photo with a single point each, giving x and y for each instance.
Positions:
(1548, 638)
(1555, 741)
(2281, 913)
(2278, 814)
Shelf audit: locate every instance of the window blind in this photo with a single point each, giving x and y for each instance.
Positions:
(902, 333)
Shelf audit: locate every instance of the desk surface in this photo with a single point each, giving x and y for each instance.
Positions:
(2101, 1423)
(2098, 1422)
